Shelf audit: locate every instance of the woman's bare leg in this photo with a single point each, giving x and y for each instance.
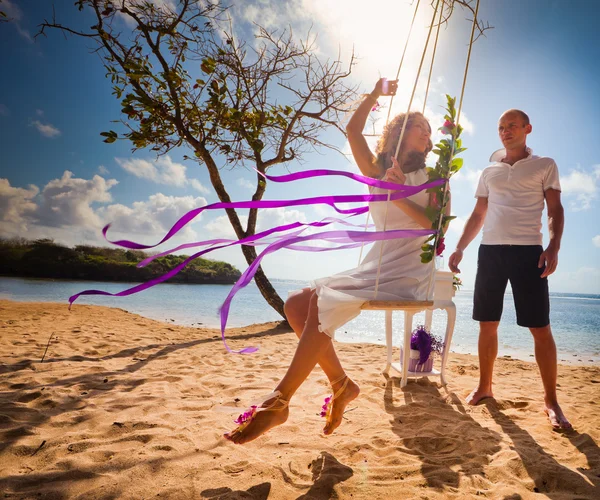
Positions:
(312, 346)
(296, 311)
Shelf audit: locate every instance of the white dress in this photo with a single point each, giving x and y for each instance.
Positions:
(402, 277)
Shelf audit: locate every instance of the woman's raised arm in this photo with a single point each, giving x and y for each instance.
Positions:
(363, 156)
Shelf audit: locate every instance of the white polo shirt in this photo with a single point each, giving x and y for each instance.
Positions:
(515, 196)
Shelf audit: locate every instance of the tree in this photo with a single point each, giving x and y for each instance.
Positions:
(183, 81)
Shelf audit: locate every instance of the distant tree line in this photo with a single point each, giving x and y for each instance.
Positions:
(46, 259)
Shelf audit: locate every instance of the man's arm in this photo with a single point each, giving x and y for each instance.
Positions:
(556, 224)
(472, 228)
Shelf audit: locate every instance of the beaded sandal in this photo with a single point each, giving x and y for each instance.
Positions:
(328, 403)
(248, 416)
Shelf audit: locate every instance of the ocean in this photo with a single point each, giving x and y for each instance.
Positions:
(575, 318)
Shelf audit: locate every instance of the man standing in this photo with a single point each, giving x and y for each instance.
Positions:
(510, 201)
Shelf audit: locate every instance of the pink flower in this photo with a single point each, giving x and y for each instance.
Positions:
(325, 407)
(376, 106)
(447, 127)
(247, 415)
(440, 247)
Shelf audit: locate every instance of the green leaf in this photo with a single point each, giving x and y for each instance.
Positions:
(457, 162)
(431, 213)
(111, 136)
(208, 65)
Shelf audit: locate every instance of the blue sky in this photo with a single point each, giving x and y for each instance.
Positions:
(58, 179)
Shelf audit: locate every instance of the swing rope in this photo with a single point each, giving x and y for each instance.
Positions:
(445, 191)
(401, 138)
(387, 119)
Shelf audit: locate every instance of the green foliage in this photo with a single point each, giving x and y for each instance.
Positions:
(446, 166)
(47, 259)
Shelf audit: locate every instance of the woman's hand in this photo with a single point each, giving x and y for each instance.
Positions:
(394, 173)
(392, 86)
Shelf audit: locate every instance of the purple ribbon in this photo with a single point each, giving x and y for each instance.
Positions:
(292, 241)
(349, 239)
(352, 237)
(319, 200)
(254, 239)
(370, 181)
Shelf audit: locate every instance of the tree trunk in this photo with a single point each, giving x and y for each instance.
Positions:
(263, 283)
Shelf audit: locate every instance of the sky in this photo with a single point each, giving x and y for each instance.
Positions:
(59, 180)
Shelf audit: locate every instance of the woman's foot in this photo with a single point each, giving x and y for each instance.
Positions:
(478, 395)
(253, 424)
(557, 418)
(345, 390)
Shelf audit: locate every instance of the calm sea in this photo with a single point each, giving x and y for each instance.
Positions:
(575, 318)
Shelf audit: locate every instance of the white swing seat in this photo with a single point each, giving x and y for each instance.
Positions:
(443, 292)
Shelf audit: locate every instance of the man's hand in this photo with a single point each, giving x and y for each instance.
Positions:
(454, 260)
(549, 258)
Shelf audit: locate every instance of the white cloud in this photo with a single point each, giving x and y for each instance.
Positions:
(65, 211)
(16, 207)
(46, 129)
(198, 186)
(15, 15)
(152, 217)
(162, 170)
(468, 175)
(457, 225)
(246, 184)
(278, 217)
(39, 112)
(62, 203)
(220, 227)
(581, 188)
(596, 241)
(67, 201)
(103, 170)
(467, 125)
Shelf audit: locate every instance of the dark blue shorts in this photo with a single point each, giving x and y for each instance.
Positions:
(499, 264)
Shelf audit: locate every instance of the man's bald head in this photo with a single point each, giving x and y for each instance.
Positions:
(519, 113)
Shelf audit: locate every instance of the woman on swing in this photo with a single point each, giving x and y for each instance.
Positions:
(316, 312)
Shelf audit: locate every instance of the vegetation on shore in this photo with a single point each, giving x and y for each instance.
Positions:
(46, 259)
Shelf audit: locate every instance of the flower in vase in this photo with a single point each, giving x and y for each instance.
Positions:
(423, 341)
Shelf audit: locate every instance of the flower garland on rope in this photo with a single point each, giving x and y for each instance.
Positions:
(445, 167)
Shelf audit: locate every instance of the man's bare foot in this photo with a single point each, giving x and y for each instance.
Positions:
(339, 404)
(478, 395)
(557, 418)
(272, 413)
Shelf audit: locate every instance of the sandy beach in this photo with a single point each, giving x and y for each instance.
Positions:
(127, 407)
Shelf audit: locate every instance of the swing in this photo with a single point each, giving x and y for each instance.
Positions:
(440, 289)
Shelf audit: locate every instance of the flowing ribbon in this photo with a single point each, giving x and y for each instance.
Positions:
(352, 237)
(292, 241)
(332, 201)
(254, 239)
(348, 239)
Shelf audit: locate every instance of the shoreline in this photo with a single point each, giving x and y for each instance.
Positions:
(569, 359)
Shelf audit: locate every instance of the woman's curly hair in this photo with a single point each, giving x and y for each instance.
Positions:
(386, 147)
